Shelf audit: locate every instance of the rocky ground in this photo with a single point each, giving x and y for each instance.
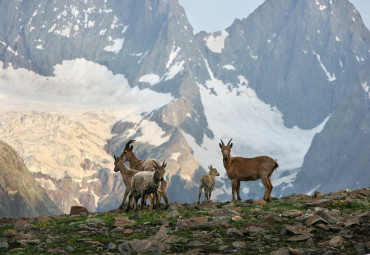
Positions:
(335, 223)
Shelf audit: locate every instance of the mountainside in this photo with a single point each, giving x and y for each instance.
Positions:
(79, 79)
(338, 157)
(20, 194)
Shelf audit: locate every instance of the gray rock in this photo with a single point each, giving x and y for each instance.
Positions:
(233, 232)
(143, 246)
(112, 246)
(4, 246)
(336, 241)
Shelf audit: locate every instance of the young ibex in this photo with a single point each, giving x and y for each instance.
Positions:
(247, 169)
(145, 183)
(143, 165)
(207, 182)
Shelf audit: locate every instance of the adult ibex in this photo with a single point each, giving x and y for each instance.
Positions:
(247, 169)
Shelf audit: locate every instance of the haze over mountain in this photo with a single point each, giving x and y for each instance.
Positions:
(79, 79)
(21, 195)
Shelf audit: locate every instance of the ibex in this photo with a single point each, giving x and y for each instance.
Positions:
(127, 175)
(145, 183)
(143, 165)
(207, 181)
(247, 169)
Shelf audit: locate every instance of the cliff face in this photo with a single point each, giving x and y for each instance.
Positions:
(20, 194)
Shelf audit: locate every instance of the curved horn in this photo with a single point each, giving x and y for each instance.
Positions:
(156, 164)
(222, 142)
(127, 146)
(229, 142)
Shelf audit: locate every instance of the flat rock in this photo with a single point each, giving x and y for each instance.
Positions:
(299, 238)
(298, 230)
(315, 219)
(143, 246)
(292, 214)
(336, 241)
(331, 216)
(280, 251)
(123, 222)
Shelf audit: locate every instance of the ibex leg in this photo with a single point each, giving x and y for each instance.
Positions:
(234, 184)
(238, 190)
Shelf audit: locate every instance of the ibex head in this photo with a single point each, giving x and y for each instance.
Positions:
(127, 151)
(160, 170)
(116, 162)
(213, 171)
(226, 149)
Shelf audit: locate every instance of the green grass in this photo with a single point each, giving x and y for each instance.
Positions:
(346, 206)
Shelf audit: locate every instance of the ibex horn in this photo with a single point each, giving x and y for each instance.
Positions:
(128, 144)
(155, 163)
(229, 142)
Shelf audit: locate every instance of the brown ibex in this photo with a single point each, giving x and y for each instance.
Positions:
(127, 175)
(143, 165)
(247, 169)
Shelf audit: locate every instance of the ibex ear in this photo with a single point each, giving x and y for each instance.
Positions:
(131, 147)
(164, 164)
(231, 145)
(115, 158)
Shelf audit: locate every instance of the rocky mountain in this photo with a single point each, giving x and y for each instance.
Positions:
(20, 194)
(346, 139)
(93, 75)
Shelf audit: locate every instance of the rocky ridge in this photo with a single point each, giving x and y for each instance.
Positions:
(334, 223)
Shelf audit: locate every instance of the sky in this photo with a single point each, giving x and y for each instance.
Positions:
(215, 15)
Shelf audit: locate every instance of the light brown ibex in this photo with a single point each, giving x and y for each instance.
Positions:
(207, 181)
(247, 169)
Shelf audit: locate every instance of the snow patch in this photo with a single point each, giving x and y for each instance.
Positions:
(152, 79)
(217, 43)
(331, 77)
(152, 133)
(174, 52)
(116, 47)
(366, 88)
(174, 70)
(229, 67)
(175, 155)
(313, 190)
